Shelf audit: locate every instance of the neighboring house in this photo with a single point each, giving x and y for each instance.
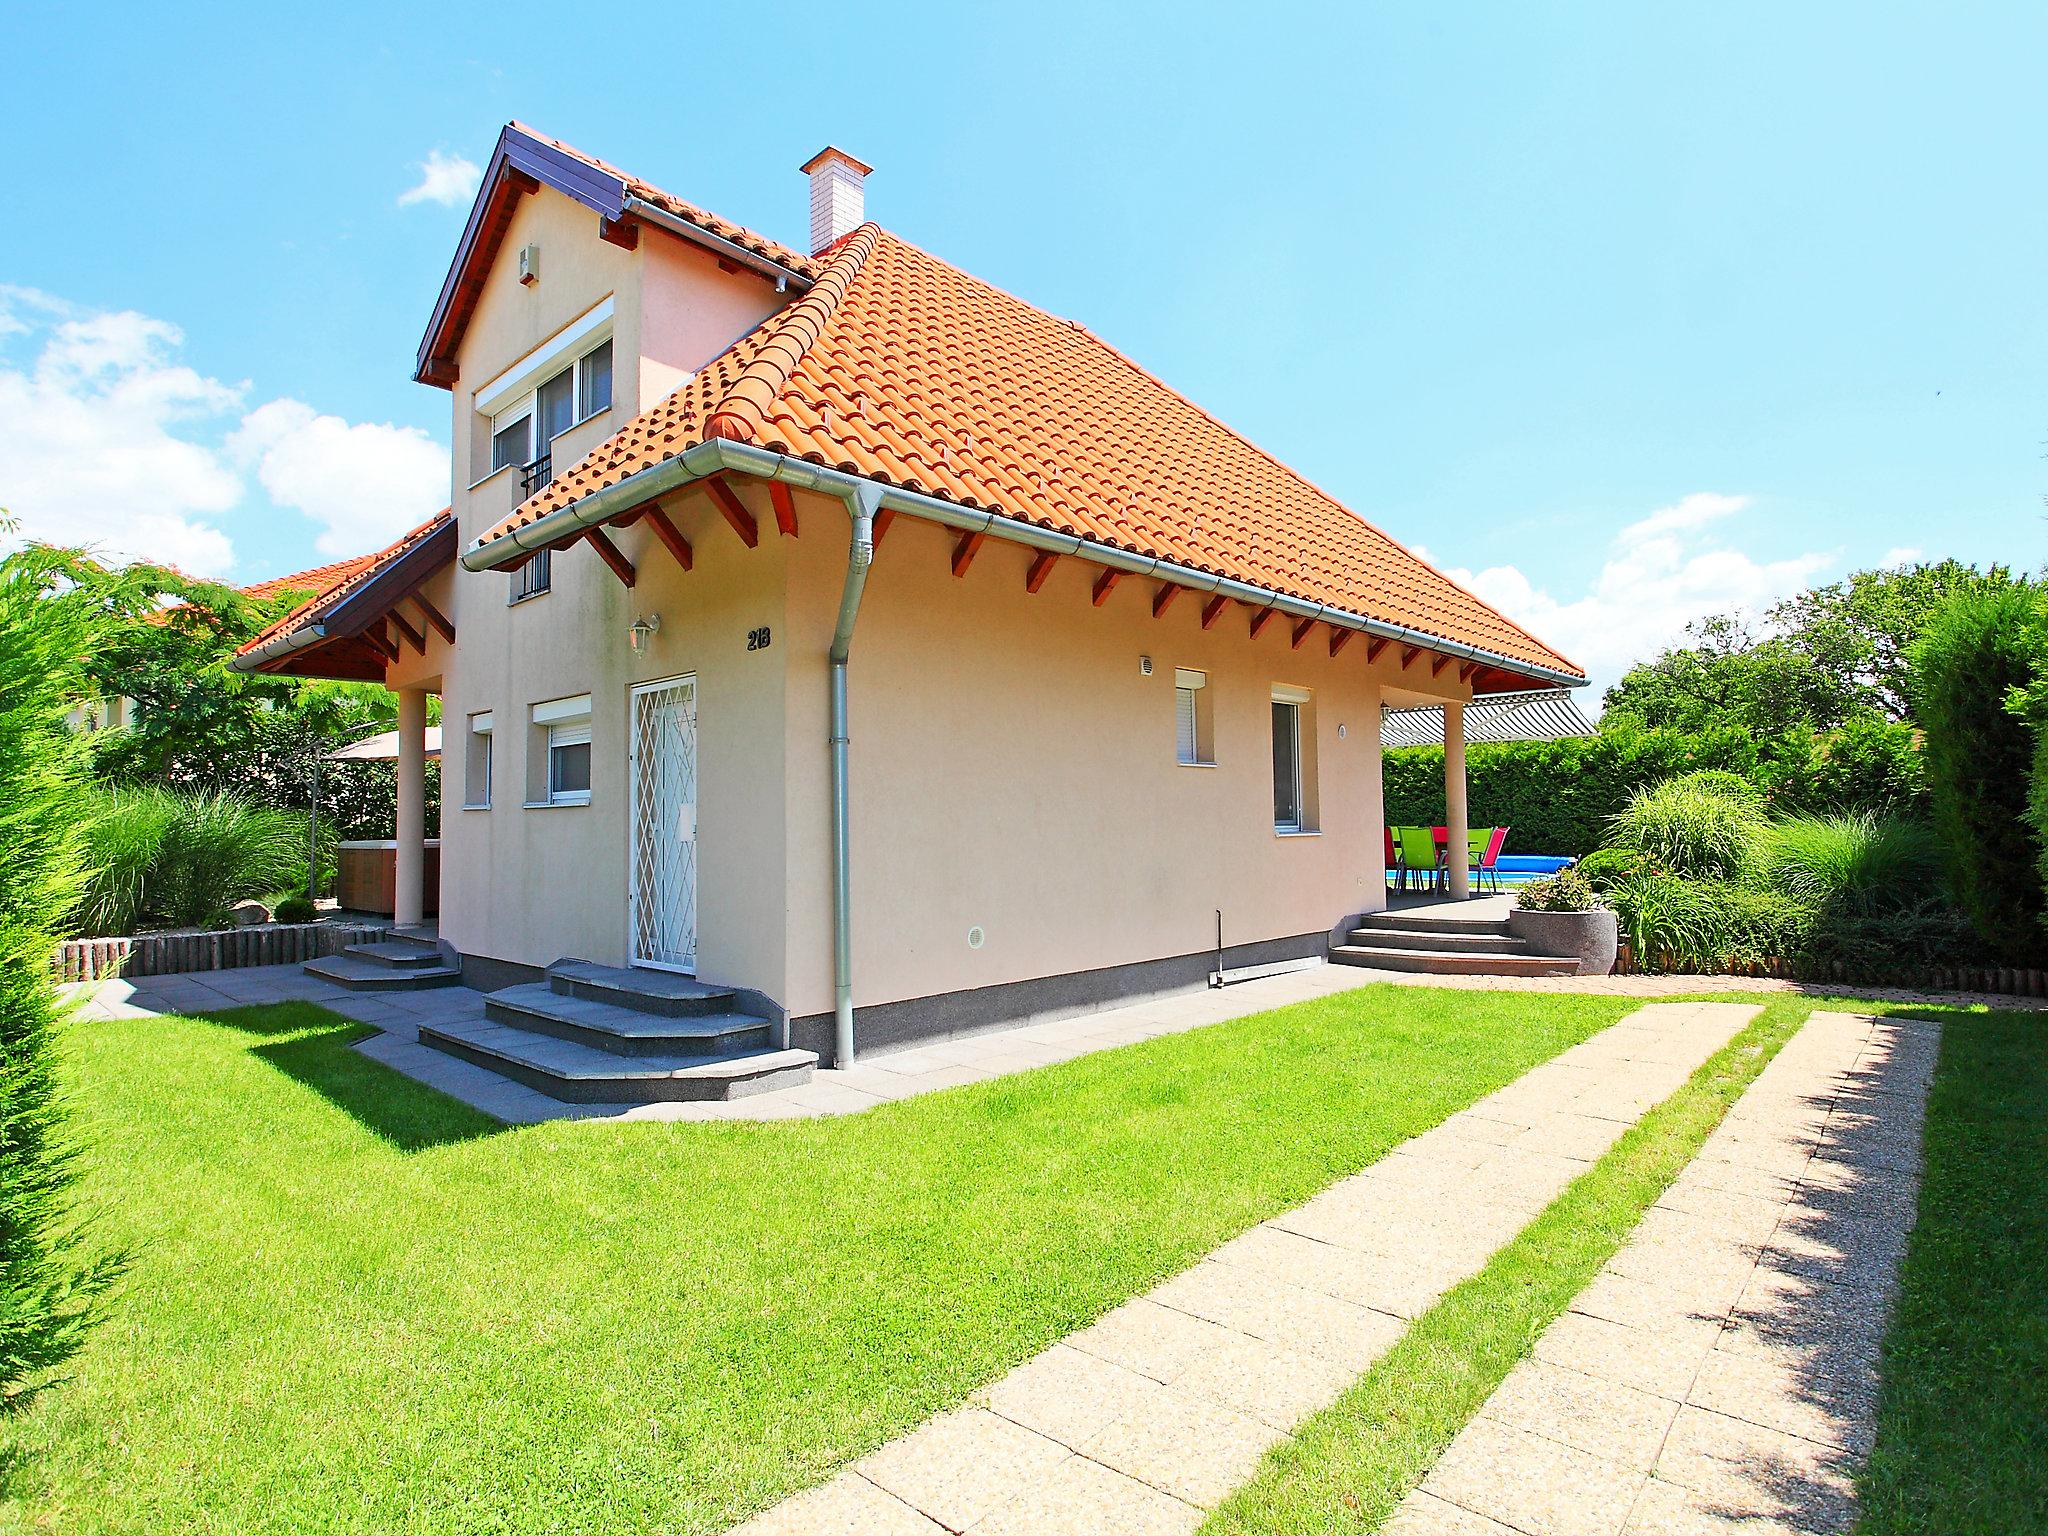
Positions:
(838, 628)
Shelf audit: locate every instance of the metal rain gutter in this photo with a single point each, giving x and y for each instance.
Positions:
(640, 208)
(279, 646)
(862, 505)
(714, 454)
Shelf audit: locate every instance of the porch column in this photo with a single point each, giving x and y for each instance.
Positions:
(1457, 853)
(407, 906)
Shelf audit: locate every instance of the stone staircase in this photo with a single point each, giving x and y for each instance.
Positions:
(598, 1034)
(1445, 946)
(394, 963)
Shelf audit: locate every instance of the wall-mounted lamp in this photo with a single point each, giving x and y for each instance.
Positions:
(640, 631)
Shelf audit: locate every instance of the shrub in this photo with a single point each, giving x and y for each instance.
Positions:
(1980, 648)
(51, 1284)
(294, 909)
(1693, 826)
(1566, 891)
(185, 860)
(1701, 925)
(1858, 862)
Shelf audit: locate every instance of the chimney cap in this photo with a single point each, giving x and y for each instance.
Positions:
(833, 152)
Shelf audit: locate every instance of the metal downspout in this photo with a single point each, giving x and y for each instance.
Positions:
(863, 501)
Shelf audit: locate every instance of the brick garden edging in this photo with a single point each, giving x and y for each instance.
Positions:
(2014, 981)
(164, 954)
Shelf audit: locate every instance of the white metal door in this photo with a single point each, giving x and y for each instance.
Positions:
(661, 898)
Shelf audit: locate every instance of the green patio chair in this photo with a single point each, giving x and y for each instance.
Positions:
(1418, 856)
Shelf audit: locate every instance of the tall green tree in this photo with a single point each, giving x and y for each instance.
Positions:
(51, 1279)
(1818, 661)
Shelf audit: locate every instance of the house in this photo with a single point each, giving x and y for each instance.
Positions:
(838, 629)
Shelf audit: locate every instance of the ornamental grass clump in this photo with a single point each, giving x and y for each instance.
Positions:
(1859, 862)
(1698, 826)
(160, 857)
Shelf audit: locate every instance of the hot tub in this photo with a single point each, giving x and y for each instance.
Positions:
(366, 878)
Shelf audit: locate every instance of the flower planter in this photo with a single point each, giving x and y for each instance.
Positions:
(1591, 938)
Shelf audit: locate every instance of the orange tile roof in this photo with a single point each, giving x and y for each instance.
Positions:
(898, 367)
(318, 579)
(689, 212)
(342, 578)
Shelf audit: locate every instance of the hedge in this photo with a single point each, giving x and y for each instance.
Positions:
(1977, 653)
(1558, 796)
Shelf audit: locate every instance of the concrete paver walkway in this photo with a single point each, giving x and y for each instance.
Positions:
(1720, 1374)
(1143, 1421)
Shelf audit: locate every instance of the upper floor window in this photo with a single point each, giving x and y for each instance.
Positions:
(565, 380)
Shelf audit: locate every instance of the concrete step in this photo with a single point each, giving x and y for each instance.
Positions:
(643, 991)
(397, 952)
(1453, 962)
(1430, 922)
(360, 974)
(624, 1031)
(582, 1074)
(1385, 936)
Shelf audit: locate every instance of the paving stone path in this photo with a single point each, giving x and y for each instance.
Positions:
(1720, 1374)
(1142, 1422)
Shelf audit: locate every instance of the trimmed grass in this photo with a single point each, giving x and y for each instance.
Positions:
(1962, 1427)
(360, 1306)
(1351, 1465)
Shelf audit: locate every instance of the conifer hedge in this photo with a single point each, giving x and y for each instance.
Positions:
(1977, 658)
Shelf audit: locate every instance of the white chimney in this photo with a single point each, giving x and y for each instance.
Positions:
(836, 196)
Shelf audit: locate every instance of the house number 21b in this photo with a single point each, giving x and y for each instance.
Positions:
(757, 639)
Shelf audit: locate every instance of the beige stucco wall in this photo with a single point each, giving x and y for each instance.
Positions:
(535, 884)
(1014, 770)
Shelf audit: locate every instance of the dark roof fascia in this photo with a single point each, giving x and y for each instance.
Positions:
(389, 585)
(608, 195)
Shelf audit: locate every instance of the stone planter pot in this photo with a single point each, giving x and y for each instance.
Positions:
(1592, 938)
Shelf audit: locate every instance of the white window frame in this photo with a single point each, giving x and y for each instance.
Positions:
(479, 741)
(559, 723)
(1295, 700)
(1190, 683)
(512, 393)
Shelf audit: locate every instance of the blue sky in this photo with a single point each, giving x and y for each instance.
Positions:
(1626, 313)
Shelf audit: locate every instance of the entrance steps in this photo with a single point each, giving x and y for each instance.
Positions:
(394, 964)
(597, 1034)
(1442, 945)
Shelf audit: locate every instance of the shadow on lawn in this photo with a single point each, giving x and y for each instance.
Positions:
(313, 1047)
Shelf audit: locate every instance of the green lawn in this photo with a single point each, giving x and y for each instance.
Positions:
(358, 1306)
(1962, 1428)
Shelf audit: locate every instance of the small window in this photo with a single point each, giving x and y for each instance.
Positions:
(532, 578)
(594, 382)
(1286, 766)
(476, 764)
(1193, 733)
(569, 763)
(511, 438)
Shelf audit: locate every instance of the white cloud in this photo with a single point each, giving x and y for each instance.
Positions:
(92, 444)
(108, 440)
(1660, 573)
(1905, 554)
(363, 482)
(445, 179)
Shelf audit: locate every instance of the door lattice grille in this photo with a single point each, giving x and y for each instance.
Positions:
(664, 892)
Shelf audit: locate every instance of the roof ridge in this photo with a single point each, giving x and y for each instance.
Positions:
(743, 411)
